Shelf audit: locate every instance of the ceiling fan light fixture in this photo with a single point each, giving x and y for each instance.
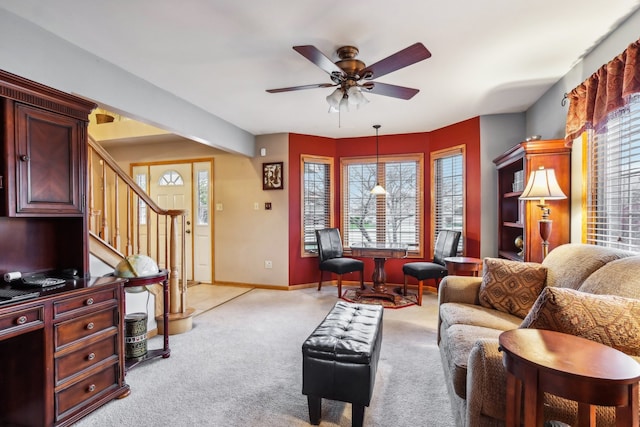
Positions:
(344, 99)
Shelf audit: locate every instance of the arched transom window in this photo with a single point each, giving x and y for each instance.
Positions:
(171, 177)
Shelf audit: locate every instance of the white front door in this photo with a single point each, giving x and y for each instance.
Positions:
(171, 188)
(187, 186)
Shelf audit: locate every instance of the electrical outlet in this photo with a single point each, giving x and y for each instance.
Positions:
(268, 264)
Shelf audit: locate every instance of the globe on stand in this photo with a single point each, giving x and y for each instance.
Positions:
(136, 266)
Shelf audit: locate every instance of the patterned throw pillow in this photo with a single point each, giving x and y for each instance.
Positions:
(607, 319)
(511, 286)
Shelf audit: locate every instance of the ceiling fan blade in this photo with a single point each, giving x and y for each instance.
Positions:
(390, 90)
(314, 55)
(407, 56)
(289, 89)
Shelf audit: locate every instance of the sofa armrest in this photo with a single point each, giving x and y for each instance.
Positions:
(486, 382)
(462, 289)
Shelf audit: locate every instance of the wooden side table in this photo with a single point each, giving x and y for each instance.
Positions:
(161, 278)
(459, 264)
(570, 367)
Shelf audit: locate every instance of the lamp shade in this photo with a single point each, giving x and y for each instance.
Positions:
(378, 190)
(356, 97)
(335, 98)
(542, 185)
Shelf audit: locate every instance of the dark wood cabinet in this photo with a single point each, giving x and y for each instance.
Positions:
(518, 218)
(48, 155)
(61, 353)
(88, 349)
(42, 177)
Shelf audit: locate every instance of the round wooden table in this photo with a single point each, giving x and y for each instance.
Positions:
(466, 264)
(571, 367)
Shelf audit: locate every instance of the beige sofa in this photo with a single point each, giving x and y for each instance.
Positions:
(468, 331)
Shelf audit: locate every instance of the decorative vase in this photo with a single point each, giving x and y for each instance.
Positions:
(519, 242)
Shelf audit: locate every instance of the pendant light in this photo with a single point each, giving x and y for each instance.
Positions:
(377, 190)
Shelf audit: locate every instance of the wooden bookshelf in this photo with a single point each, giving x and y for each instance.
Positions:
(520, 218)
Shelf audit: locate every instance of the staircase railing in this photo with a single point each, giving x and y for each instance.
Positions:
(124, 216)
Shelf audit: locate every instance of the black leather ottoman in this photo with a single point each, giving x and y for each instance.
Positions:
(340, 358)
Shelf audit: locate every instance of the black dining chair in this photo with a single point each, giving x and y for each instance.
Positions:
(330, 255)
(446, 246)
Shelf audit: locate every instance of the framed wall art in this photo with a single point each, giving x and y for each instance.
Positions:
(272, 176)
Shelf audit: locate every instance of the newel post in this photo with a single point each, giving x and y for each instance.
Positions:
(180, 317)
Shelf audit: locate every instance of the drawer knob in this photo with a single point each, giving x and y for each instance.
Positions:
(91, 356)
(21, 320)
(89, 301)
(91, 388)
(90, 325)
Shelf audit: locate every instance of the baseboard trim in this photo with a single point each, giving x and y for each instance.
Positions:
(250, 285)
(310, 285)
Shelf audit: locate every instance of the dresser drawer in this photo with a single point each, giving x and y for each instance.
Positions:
(22, 320)
(93, 323)
(86, 300)
(84, 392)
(86, 357)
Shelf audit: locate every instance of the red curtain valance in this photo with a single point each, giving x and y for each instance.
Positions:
(605, 91)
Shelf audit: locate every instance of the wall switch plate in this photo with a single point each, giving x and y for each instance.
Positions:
(268, 264)
(218, 206)
(256, 206)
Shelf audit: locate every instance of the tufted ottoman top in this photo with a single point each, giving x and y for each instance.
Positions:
(347, 334)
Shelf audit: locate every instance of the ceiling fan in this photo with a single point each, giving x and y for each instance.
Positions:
(352, 76)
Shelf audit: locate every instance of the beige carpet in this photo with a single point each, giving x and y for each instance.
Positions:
(241, 365)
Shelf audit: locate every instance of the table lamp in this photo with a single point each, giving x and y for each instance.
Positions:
(542, 185)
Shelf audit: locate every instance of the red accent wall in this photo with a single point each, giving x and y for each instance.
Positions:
(305, 270)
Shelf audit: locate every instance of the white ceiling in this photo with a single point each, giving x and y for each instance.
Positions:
(488, 57)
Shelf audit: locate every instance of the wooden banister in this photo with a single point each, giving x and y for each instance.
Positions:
(169, 249)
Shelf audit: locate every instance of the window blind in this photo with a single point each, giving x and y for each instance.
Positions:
(392, 219)
(448, 193)
(316, 199)
(613, 180)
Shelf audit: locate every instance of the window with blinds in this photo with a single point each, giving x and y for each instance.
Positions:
(392, 219)
(317, 200)
(447, 193)
(613, 180)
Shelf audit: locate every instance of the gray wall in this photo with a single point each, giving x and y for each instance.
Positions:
(29, 51)
(498, 133)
